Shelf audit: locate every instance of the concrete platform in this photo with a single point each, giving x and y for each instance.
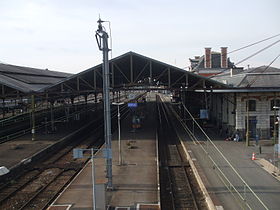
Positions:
(135, 182)
(24, 147)
(265, 185)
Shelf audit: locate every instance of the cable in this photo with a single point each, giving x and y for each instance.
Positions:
(250, 56)
(245, 47)
(256, 77)
(253, 44)
(258, 52)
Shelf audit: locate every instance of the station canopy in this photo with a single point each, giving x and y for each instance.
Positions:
(19, 81)
(132, 71)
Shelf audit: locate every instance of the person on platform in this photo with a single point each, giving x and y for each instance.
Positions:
(236, 136)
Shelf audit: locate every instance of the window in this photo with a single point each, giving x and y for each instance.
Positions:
(252, 105)
(272, 104)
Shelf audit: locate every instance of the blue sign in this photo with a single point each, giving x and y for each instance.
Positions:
(132, 105)
(204, 114)
(78, 153)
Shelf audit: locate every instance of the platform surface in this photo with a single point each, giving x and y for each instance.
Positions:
(135, 181)
(263, 184)
(25, 148)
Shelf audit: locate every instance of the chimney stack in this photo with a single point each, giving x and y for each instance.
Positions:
(224, 63)
(207, 59)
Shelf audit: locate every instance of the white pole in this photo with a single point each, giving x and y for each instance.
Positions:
(93, 181)
(119, 128)
(278, 127)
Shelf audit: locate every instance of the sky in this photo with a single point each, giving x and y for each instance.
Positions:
(59, 34)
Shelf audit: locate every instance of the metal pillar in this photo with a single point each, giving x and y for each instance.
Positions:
(119, 130)
(247, 122)
(93, 180)
(102, 41)
(52, 117)
(33, 116)
(274, 120)
(3, 108)
(278, 128)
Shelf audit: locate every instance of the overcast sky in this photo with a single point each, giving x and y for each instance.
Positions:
(59, 34)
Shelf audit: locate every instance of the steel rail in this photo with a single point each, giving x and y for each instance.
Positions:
(231, 186)
(181, 165)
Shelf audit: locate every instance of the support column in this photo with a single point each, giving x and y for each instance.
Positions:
(274, 120)
(3, 108)
(151, 73)
(102, 41)
(169, 78)
(95, 97)
(33, 117)
(78, 84)
(131, 69)
(72, 103)
(205, 96)
(113, 75)
(247, 121)
(187, 80)
(15, 104)
(52, 117)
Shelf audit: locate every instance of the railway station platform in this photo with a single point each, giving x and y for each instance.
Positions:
(228, 172)
(25, 148)
(135, 182)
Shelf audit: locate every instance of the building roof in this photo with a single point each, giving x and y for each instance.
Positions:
(260, 77)
(126, 71)
(25, 79)
(131, 70)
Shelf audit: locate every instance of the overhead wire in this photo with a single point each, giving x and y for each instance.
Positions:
(250, 45)
(259, 51)
(241, 48)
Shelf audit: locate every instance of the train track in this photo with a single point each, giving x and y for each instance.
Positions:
(41, 183)
(20, 128)
(17, 126)
(38, 187)
(179, 190)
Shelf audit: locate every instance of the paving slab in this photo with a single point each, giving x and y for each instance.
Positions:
(219, 178)
(135, 181)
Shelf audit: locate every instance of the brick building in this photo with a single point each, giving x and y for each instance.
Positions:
(256, 92)
(211, 63)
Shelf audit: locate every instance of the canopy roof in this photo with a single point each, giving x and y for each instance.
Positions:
(129, 71)
(23, 80)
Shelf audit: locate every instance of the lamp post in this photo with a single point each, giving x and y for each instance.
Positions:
(102, 41)
(33, 116)
(119, 130)
(276, 107)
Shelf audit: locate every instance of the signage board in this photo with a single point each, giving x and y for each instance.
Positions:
(78, 153)
(204, 114)
(132, 105)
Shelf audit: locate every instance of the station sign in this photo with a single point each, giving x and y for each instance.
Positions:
(204, 114)
(132, 105)
(78, 153)
(131, 96)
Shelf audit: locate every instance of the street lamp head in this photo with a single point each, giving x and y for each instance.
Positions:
(276, 107)
(118, 104)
